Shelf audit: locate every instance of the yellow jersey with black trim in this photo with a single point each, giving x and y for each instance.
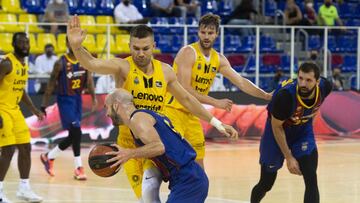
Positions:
(13, 84)
(203, 73)
(148, 90)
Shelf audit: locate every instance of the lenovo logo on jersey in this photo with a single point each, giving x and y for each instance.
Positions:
(147, 96)
(202, 80)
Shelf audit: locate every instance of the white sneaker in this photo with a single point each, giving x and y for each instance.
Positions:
(3, 199)
(28, 195)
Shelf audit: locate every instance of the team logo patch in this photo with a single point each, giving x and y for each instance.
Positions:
(135, 178)
(136, 80)
(213, 69)
(158, 84)
(69, 75)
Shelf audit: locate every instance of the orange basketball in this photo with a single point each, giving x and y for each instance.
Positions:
(97, 160)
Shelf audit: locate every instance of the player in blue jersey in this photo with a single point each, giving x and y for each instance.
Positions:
(156, 139)
(289, 132)
(70, 79)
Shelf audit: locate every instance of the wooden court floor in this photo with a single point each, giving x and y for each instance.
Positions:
(232, 169)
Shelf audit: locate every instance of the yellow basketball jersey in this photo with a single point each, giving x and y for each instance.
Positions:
(203, 73)
(13, 84)
(148, 90)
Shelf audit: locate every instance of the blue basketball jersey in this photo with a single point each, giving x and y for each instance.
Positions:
(72, 77)
(178, 152)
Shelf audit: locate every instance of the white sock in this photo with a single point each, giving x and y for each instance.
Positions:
(54, 152)
(77, 161)
(1, 185)
(151, 186)
(24, 183)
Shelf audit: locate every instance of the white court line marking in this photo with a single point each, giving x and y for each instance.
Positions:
(163, 194)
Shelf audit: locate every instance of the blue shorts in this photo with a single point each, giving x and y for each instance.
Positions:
(300, 140)
(70, 109)
(190, 185)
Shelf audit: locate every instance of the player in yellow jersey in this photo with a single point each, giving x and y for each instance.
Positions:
(14, 133)
(196, 66)
(148, 80)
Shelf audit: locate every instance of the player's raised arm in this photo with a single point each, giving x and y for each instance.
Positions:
(242, 83)
(75, 37)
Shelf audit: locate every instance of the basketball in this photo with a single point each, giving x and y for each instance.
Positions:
(97, 160)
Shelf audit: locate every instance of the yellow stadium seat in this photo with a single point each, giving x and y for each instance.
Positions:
(108, 20)
(88, 23)
(11, 6)
(5, 42)
(30, 18)
(61, 43)
(46, 38)
(101, 40)
(9, 18)
(90, 44)
(122, 43)
(34, 49)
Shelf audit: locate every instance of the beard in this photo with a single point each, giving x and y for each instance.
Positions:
(206, 46)
(304, 92)
(21, 52)
(115, 118)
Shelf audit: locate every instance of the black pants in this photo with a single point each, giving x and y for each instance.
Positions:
(308, 165)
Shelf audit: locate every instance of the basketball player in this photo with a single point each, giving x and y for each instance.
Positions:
(196, 65)
(148, 80)
(289, 132)
(14, 133)
(70, 78)
(155, 138)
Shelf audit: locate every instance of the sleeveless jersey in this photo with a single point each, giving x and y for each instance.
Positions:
(302, 114)
(178, 152)
(13, 84)
(72, 78)
(203, 73)
(148, 90)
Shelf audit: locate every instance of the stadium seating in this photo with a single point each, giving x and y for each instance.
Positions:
(11, 6)
(9, 18)
(90, 44)
(61, 43)
(46, 38)
(5, 42)
(101, 40)
(87, 7)
(105, 7)
(88, 23)
(33, 6)
(122, 43)
(349, 63)
(30, 18)
(34, 49)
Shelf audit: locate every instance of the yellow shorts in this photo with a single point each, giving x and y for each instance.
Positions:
(134, 168)
(15, 129)
(189, 127)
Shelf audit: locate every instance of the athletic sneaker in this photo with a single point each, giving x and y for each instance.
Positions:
(48, 164)
(79, 174)
(3, 198)
(28, 195)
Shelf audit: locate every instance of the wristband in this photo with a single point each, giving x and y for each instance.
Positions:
(217, 124)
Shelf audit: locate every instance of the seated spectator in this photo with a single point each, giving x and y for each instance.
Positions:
(104, 84)
(165, 8)
(337, 80)
(189, 6)
(57, 11)
(244, 14)
(310, 13)
(126, 12)
(44, 65)
(293, 15)
(328, 14)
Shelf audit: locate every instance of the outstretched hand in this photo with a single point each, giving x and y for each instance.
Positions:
(74, 33)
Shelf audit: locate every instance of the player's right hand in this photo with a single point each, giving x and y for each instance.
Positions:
(43, 109)
(293, 166)
(1, 122)
(225, 104)
(230, 132)
(75, 34)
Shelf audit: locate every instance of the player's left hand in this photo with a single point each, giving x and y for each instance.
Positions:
(230, 132)
(39, 114)
(120, 156)
(94, 105)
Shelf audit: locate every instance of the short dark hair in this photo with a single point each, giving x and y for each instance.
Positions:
(141, 31)
(49, 45)
(16, 34)
(308, 67)
(210, 19)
